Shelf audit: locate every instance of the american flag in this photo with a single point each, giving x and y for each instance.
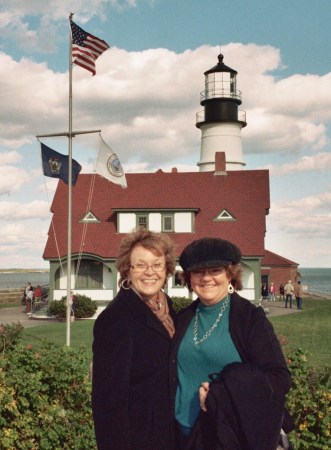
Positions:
(86, 48)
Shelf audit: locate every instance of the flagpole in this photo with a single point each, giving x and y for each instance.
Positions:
(68, 306)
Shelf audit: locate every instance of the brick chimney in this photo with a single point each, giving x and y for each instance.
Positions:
(220, 163)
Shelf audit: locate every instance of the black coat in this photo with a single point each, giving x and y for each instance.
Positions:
(130, 387)
(258, 346)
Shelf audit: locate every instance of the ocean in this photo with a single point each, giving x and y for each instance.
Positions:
(20, 279)
(317, 280)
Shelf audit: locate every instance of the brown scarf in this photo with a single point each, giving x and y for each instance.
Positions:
(160, 309)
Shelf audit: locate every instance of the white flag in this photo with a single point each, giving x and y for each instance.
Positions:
(108, 165)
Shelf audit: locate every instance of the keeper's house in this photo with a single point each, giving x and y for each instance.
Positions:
(186, 205)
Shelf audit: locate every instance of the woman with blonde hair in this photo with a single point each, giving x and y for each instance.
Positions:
(132, 338)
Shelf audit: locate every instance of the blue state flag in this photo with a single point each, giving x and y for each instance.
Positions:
(55, 165)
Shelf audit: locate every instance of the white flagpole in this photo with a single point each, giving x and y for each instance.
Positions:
(68, 306)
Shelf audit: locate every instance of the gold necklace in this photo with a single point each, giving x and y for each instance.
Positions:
(209, 332)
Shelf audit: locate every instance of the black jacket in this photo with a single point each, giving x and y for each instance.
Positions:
(130, 385)
(262, 356)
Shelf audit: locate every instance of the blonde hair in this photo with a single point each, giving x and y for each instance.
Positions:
(158, 243)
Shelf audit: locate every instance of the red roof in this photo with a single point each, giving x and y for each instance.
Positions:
(243, 194)
(272, 259)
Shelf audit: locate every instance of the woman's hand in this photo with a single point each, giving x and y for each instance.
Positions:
(203, 392)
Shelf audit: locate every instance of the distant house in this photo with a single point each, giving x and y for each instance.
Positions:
(186, 205)
(277, 269)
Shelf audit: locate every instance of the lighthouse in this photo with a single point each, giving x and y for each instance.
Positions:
(220, 121)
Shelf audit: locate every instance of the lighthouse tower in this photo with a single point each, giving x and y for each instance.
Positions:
(221, 121)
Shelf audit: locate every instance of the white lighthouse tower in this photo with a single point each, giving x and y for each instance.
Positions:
(221, 121)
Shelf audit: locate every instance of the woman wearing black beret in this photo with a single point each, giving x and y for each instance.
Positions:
(232, 377)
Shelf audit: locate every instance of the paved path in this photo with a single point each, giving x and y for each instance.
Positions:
(17, 314)
(278, 308)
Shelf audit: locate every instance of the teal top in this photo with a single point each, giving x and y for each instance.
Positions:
(197, 361)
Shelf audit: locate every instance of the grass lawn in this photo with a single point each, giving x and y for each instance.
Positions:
(309, 330)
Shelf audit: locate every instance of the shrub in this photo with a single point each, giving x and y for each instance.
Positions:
(10, 335)
(180, 303)
(83, 307)
(45, 399)
(309, 403)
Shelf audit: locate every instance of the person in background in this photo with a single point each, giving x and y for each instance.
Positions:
(132, 339)
(38, 293)
(288, 290)
(26, 290)
(232, 375)
(272, 292)
(298, 292)
(29, 300)
(281, 292)
(264, 291)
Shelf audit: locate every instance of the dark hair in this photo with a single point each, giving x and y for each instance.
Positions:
(233, 272)
(158, 243)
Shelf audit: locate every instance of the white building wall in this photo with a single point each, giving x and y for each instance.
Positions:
(154, 222)
(183, 222)
(126, 222)
(248, 283)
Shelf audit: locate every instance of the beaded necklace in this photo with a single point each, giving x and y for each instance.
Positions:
(209, 332)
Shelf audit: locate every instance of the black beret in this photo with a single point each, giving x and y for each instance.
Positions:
(209, 252)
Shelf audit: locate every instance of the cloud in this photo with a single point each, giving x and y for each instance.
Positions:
(318, 162)
(307, 218)
(18, 211)
(12, 179)
(9, 158)
(148, 100)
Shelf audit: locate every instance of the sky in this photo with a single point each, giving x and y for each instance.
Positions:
(145, 96)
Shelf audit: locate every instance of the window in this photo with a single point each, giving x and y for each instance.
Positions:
(167, 222)
(89, 275)
(142, 221)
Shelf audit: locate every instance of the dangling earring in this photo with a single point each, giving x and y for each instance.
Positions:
(230, 288)
(126, 284)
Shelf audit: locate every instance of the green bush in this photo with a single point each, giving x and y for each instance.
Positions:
(180, 302)
(84, 307)
(309, 403)
(10, 335)
(45, 399)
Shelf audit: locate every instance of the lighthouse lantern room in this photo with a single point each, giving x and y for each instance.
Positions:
(220, 121)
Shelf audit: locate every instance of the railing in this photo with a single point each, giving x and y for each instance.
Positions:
(219, 93)
(200, 116)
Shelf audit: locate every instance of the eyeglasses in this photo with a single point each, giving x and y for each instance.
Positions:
(142, 267)
(212, 272)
